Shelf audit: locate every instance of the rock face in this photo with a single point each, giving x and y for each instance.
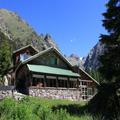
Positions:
(75, 60)
(21, 33)
(49, 42)
(92, 60)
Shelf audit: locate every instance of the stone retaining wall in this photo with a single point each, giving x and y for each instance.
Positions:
(5, 93)
(56, 93)
(9, 91)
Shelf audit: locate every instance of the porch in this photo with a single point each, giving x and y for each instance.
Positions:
(58, 83)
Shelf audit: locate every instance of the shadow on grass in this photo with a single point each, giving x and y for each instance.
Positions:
(72, 109)
(105, 105)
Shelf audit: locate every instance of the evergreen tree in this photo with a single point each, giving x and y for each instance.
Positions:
(95, 74)
(110, 61)
(107, 100)
(5, 54)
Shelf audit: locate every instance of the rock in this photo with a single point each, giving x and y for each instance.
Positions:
(92, 59)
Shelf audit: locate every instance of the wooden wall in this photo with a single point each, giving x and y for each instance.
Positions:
(46, 59)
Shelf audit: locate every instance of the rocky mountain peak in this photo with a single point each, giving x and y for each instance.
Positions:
(92, 59)
(75, 60)
(49, 42)
(21, 33)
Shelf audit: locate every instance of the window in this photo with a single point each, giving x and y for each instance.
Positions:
(73, 84)
(86, 92)
(53, 60)
(83, 83)
(23, 56)
(90, 91)
(62, 83)
(39, 82)
(50, 82)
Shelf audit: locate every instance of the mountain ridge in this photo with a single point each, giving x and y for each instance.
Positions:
(21, 33)
(91, 61)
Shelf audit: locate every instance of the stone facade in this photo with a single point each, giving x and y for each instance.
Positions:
(5, 93)
(9, 91)
(56, 93)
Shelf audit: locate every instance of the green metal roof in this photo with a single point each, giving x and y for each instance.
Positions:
(51, 70)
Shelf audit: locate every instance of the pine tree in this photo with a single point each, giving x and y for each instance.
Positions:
(110, 61)
(95, 74)
(5, 55)
(107, 100)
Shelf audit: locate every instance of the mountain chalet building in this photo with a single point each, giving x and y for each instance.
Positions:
(49, 74)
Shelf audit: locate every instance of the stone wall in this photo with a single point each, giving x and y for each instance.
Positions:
(6, 91)
(56, 93)
(9, 91)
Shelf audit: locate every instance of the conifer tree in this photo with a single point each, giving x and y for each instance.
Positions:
(107, 100)
(110, 61)
(5, 54)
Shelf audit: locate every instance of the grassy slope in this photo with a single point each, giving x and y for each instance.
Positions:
(18, 30)
(41, 109)
(15, 25)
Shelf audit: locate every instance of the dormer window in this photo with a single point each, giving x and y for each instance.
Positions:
(53, 60)
(24, 56)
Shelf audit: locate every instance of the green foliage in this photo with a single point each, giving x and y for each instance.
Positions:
(95, 74)
(19, 31)
(5, 55)
(110, 60)
(107, 100)
(16, 27)
(38, 109)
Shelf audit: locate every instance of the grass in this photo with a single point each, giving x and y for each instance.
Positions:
(42, 109)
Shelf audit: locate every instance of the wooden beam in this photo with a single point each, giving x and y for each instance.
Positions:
(56, 81)
(68, 83)
(51, 77)
(82, 80)
(78, 83)
(38, 76)
(45, 85)
(31, 78)
(62, 78)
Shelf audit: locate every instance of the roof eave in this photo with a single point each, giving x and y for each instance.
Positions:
(24, 48)
(89, 76)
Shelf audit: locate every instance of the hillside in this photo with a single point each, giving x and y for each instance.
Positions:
(21, 33)
(91, 61)
(75, 60)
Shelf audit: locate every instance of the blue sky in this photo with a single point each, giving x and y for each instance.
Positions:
(75, 25)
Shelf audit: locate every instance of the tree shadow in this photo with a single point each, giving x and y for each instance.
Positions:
(72, 109)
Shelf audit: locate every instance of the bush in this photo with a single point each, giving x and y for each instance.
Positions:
(37, 109)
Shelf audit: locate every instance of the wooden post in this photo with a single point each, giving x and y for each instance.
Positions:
(31, 78)
(68, 83)
(45, 85)
(56, 81)
(77, 83)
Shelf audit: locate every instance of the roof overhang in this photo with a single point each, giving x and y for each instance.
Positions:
(89, 76)
(46, 51)
(52, 70)
(28, 46)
